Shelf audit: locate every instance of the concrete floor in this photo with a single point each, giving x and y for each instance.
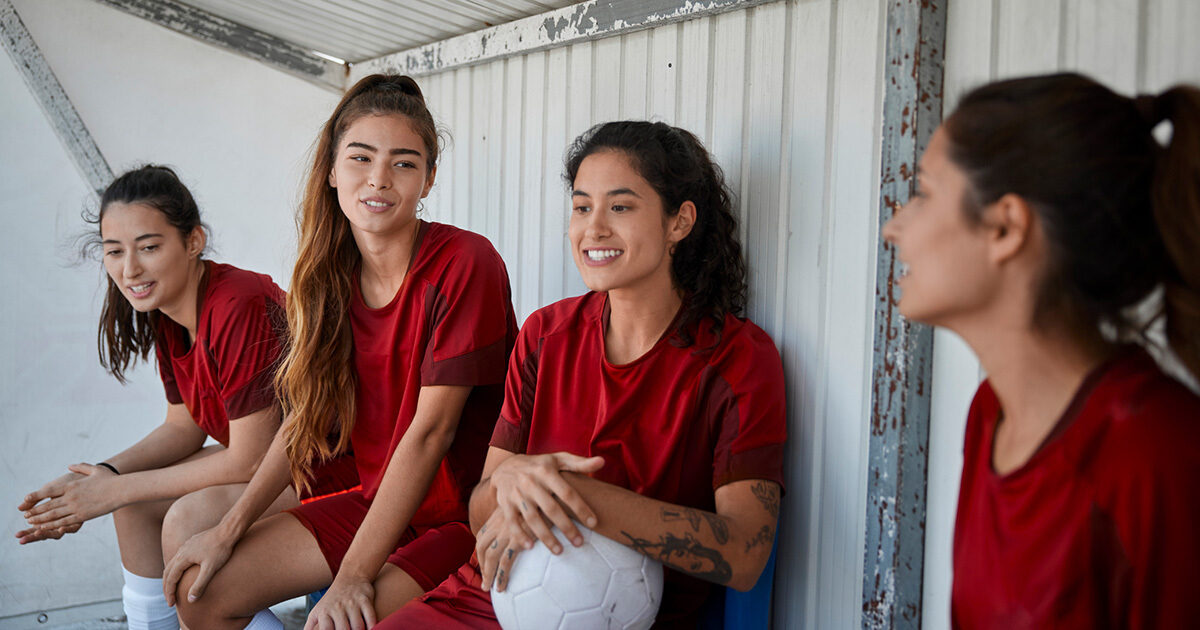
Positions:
(291, 613)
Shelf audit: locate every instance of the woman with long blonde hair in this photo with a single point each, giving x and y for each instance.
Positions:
(400, 332)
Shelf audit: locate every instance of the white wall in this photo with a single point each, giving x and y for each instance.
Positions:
(787, 95)
(237, 132)
(1132, 46)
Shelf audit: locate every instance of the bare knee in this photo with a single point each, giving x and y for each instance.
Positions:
(191, 514)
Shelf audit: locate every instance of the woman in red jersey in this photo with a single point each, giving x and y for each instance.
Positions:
(1046, 210)
(216, 332)
(647, 408)
(400, 333)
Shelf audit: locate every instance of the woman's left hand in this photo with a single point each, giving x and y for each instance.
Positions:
(349, 604)
(74, 502)
(499, 541)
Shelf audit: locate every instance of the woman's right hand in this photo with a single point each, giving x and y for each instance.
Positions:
(530, 490)
(210, 550)
(50, 490)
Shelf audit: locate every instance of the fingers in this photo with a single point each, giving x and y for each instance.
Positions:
(34, 534)
(575, 463)
(532, 517)
(505, 569)
(171, 577)
(82, 468)
(201, 583)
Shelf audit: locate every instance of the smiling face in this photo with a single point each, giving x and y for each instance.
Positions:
(946, 271)
(380, 173)
(147, 257)
(620, 235)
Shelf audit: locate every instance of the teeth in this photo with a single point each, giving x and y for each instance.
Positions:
(601, 254)
(140, 288)
(376, 204)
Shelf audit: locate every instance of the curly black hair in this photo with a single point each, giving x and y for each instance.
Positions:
(707, 265)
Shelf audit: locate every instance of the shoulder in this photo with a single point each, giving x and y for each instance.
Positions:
(745, 351)
(1151, 428)
(446, 242)
(233, 294)
(564, 316)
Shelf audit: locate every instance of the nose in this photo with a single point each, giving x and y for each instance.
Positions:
(380, 177)
(132, 267)
(597, 224)
(891, 229)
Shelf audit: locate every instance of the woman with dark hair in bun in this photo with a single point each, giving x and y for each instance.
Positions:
(1046, 212)
(217, 332)
(400, 332)
(648, 409)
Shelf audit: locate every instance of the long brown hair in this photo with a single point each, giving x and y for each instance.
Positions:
(316, 379)
(126, 334)
(1121, 212)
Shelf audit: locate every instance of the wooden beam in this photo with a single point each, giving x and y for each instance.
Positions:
(894, 557)
(238, 38)
(589, 20)
(54, 101)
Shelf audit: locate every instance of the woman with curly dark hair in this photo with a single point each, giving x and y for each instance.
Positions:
(1046, 211)
(647, 408)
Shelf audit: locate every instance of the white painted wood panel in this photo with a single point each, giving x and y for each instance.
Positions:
(1130, 45)
(786, 95)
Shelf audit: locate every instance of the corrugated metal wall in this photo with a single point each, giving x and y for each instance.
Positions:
(1132, 46)
(786, 95)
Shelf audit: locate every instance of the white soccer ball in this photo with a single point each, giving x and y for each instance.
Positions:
(601, 584)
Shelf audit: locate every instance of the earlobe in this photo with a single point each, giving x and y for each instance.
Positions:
(429, 182)
(1010, 220)
(332, 179)
(685, 220)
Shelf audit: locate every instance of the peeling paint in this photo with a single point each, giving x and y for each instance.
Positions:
(63, 117)
(236, 37)
(894, 555)
(590, 20)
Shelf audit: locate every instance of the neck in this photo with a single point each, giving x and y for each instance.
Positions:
(183, 312)
(638, 318)
(1035, 374)
(385, 260)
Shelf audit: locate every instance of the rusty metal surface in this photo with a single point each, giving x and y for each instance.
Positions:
(893, 560)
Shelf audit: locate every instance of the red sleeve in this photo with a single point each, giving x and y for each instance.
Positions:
(166, 372)
(471, 318)
(245, 341)
(749, 411)
(520, 384)
(1156, 508)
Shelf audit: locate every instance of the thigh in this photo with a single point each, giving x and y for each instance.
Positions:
(203, 509)
(277, 559)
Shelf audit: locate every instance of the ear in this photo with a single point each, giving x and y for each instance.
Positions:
(196, 241)
(682, 223)
(429, 182)
(332, 179)
(1010, 222)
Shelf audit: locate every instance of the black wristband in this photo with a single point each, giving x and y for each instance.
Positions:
(110, 467)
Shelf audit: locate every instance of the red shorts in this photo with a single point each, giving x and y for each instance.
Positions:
(428, 554)
(336, 475)
(457, 603)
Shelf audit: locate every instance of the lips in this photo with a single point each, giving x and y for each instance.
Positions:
(377, 204)
(140, 290)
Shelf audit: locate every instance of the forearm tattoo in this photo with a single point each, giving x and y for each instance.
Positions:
(685, 554)
(717, 524)
(767, 494)
(763, 536)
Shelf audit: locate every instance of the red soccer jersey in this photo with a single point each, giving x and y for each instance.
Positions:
(1098, 528)
(227, 372)
(451, 323)
(674, 425)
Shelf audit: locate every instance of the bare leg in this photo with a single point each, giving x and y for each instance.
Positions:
(393, 588)
(276, 560)
(203, 509)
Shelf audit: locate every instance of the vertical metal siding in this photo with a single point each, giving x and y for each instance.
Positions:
(1132, 46)
(787, 97)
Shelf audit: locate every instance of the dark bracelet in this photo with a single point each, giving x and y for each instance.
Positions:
(110, 467)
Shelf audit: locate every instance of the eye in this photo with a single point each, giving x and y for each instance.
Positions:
(619, 208)
(406, 164)
(112, 253)
(150, 248)
(359, 158)
(582, 209)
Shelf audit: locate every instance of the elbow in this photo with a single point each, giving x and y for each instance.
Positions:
(746, 577)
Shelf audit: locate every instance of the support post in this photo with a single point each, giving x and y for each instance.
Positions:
(893, 562)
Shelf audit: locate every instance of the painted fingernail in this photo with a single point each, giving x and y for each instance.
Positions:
(191, 598)
(591, 521)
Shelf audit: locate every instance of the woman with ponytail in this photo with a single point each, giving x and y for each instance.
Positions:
(217, 333)
(647, 409)
(1046, 212)
(400, 333)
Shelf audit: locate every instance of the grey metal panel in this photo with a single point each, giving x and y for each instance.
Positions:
(231, 35)
(357, 30)
(893, 561)
(54, 101)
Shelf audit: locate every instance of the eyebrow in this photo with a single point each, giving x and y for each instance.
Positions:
(113, 241)
(612, 193)
(367, 147)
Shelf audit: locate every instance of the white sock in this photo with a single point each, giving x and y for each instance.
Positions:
(265, 620)
(145, 606)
